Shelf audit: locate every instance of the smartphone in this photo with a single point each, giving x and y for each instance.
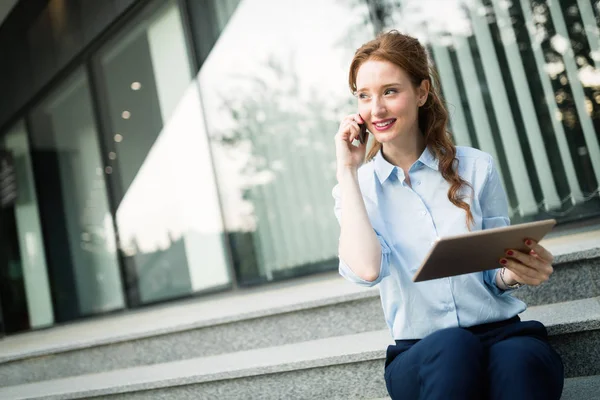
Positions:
(362, 137)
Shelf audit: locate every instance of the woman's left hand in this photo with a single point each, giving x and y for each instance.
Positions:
(533, 268)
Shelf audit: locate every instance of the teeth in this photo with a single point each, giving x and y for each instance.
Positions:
(384, 124)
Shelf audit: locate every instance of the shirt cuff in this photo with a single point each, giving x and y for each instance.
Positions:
(348, 274)
(489, 277)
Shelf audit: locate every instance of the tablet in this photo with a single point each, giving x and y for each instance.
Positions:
(479, 250)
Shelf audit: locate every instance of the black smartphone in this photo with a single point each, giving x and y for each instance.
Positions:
(362, 137)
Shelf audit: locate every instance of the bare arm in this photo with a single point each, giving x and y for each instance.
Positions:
(358, 247)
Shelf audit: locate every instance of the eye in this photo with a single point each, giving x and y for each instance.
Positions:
(362, 96)
(390, 91)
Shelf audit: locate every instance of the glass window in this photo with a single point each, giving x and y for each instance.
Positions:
(72, 196)
(25, 292)
(157, 156)
(274, 91)
(521, 80)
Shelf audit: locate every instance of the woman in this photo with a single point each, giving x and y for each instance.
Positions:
(457, 337)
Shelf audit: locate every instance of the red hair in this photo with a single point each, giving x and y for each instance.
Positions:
(407, 53)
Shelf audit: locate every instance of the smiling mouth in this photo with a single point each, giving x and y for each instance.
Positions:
(384, 125)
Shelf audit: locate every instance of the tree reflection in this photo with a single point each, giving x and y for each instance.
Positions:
(281, 120)
(290, 169)
(282, 126)
(438, 23)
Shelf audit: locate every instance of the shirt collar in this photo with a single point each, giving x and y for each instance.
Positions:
(384, 169)
(429, 159)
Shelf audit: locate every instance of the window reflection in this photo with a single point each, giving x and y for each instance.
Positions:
(78, 226)
(530, 60)
(168, 214)
(273, 104)
(24, 286)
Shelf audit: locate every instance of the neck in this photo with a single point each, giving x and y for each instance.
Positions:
(405, 150)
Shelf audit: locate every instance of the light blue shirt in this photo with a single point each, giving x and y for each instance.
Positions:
(408, 220)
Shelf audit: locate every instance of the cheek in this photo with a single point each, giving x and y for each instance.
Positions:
(364, 109)
(403, 105)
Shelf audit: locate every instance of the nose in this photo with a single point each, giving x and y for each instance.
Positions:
(378, 107)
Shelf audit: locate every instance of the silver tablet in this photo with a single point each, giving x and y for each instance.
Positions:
(478, 251)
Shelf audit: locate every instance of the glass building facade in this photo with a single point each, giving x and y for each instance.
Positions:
(186, 147)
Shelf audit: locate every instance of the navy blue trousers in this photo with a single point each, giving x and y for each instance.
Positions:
(503, 360)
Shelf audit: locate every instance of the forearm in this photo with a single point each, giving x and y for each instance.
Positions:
(359, 247)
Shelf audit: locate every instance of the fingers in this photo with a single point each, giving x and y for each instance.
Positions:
(531, 268)
(540, 260)
(352, 118)
(349, 129)
(540, 250)
(527, 275)
(354, 131)
(529, 260)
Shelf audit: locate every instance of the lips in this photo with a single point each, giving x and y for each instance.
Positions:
(384, 124)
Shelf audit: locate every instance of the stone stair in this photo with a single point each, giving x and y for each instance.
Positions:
(325, 339)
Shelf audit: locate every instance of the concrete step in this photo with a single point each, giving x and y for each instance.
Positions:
(351, 313)
(345, 367)
(213, 331)
(576, 276)
(294, 371)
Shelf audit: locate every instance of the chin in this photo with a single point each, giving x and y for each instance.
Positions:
(385, 137)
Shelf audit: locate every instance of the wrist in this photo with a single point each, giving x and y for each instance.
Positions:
(509, 277)
(506, 280)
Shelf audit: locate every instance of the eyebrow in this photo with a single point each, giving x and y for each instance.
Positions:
(383, 87)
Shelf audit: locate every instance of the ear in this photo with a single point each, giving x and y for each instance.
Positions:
(423, 91)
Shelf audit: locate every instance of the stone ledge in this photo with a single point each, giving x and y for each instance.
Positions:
(267, 312)
(561, 318)
(232, 317)
(577, 256)
(568, 317)
(582, 388)
(314, 354)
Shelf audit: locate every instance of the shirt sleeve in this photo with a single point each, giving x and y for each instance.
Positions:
(494, 211)
(344, 269)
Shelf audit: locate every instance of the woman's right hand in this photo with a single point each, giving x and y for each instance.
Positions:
(349, 157)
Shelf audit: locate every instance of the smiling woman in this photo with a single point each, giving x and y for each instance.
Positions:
(458, 337)
(388, 89)
(405, 89)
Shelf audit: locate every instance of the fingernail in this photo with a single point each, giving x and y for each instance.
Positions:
(509, 253)
(528, 242)
(503, 261)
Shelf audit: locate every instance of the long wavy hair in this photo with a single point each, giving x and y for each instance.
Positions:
(407, 53)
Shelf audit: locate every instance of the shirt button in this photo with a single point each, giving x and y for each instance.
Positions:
(418, 183)
(423, 212)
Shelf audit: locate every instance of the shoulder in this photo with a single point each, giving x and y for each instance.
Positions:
(475, 166)
(473, 159)
(472, 154)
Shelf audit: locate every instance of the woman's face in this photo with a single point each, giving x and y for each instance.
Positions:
(388, 101)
